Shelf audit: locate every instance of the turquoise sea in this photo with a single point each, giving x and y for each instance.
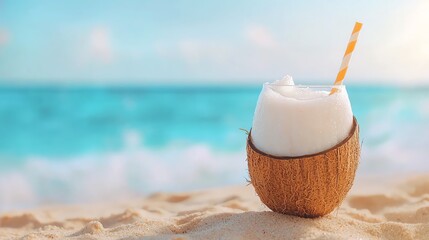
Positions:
(78, 144)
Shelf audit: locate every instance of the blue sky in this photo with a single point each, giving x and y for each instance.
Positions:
(198, 41)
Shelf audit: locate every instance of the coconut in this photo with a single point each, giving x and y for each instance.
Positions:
(307, 186)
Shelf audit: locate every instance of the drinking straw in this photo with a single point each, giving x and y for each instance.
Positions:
(347, 56)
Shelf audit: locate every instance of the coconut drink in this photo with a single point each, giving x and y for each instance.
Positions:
(303, 149)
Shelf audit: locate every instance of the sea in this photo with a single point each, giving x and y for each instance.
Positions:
(74, 144)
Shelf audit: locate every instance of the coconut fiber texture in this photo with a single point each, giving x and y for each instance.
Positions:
(306, 186)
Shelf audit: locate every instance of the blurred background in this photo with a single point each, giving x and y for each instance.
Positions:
(102, 100)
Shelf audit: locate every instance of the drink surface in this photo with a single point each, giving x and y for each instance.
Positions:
(295, 120)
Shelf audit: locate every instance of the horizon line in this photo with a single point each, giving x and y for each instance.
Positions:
(197, 82)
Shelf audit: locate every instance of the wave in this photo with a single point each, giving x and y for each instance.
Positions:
(118, 175)
(389, 147)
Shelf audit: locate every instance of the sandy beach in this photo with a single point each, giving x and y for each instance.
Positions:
(372, 210)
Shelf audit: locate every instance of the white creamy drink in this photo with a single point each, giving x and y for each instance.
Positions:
(300, 120)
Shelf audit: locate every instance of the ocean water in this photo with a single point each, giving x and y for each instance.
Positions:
(82, 144)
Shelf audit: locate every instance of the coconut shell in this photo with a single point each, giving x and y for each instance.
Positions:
(306, 186)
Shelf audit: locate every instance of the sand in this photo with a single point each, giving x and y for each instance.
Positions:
(372, 210)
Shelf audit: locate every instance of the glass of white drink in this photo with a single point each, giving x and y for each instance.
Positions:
(293, 120)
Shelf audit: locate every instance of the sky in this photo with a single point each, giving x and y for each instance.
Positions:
(243, 41)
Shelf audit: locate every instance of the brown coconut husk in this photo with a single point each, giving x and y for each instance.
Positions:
(306, 186)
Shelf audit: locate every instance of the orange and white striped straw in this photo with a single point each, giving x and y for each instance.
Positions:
(347, 56)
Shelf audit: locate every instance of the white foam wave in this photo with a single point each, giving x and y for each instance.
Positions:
(118, 175)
